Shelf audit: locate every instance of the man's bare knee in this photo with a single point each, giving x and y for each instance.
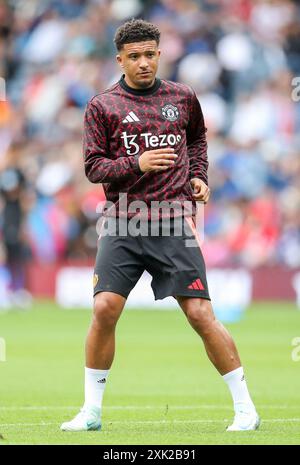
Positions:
(107, 310)
(200, 315)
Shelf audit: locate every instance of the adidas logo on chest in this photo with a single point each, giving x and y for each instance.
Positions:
(130, 118)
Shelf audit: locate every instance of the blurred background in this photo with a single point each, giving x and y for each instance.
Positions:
(240, 57)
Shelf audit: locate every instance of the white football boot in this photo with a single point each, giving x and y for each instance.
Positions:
(88, 419)
(245, 419)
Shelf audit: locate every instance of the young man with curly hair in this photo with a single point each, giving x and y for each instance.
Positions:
(145, 137)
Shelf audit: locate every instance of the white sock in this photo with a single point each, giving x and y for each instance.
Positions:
(236, 382)
(94, 385)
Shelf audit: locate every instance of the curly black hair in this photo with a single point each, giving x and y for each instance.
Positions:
(135, 30)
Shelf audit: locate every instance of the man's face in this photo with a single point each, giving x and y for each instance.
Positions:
(139, 62)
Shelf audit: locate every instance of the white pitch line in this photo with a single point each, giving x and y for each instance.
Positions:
(119, 407)
(141, 407)
(137, 422)
(27, 424)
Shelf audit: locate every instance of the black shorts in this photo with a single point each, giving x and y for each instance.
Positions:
(175, 262)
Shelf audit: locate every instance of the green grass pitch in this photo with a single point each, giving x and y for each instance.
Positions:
(162, 389)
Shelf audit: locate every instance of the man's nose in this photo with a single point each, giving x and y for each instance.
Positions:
(143, 63)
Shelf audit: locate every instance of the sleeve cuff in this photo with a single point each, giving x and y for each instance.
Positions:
(199, 176)
(136, 165)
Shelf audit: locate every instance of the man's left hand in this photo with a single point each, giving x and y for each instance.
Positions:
(201, 190)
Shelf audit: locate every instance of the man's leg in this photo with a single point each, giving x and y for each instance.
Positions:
(100, 349)
(218, 343)
(222, 352)
(100, 341)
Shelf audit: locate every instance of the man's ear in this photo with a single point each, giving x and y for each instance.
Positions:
(119, 60)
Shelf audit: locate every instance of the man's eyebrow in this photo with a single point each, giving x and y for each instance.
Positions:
(138, 52)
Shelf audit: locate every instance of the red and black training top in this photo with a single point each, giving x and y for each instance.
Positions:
(121, 123)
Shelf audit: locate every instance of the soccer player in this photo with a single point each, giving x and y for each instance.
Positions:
(145, 137)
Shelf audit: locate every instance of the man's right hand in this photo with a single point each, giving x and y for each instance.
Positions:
(157, 160)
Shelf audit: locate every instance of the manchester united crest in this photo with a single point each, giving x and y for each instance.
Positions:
(170, 112)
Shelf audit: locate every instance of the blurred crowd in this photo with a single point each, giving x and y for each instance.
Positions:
(240, 57)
